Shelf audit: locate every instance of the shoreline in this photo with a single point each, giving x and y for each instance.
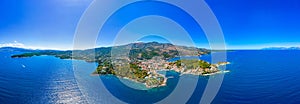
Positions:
(162, 83)
(166, 78)
(134, 80)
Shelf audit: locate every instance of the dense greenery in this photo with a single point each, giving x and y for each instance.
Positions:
(105, 68)
(138, 72)
(133, 71)
(153, 81)
(204, 64)
(59, 54)
(191, 64)
(26, 55)
(136, 52)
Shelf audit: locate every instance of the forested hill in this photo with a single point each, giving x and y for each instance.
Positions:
(134, 51)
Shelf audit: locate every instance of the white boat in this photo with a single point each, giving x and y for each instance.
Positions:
(23, 66)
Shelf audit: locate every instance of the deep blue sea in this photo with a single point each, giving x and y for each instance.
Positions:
(254, 77)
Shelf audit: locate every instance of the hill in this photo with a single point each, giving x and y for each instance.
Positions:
(138, 61)
(134, 51)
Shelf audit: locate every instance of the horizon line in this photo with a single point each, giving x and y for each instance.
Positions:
(68, 49)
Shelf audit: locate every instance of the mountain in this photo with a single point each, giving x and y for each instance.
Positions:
(15, 49)
(134, 51)
(139, 62)
(22, 49)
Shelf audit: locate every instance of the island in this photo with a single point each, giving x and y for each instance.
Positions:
(140, 62)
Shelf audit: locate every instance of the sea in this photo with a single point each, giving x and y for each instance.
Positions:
(256, 76)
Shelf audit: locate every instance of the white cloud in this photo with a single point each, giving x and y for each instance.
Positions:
(13, 44)
(21, 45)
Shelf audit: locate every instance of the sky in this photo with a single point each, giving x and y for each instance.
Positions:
(246, 24)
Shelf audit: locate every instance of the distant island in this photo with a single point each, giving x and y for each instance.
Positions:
(140, 62)
(282, 48)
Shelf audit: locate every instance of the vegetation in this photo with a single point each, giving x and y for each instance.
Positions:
(204, 64)
(138, 72)
(153, 82)
(105, 68)
(138, 52)
(191, 64)
(26, 55)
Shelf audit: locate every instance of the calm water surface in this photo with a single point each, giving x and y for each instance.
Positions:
(255, 77)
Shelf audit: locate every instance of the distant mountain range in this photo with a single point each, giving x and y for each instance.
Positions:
(11, 49)
(17, 49)
(138, 62)
(282, 48)
(135, 51)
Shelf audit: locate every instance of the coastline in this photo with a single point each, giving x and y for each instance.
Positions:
(155, 79)
(166, 78)
(134, 80)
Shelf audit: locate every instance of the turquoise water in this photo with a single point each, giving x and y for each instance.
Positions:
(255, 77)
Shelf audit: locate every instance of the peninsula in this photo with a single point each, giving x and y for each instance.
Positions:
(139, 62)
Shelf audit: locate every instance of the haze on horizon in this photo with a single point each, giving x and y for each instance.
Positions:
(247, 24)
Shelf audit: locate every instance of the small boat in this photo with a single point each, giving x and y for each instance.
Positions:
(170, 77)
(226, 71)
(23, 66)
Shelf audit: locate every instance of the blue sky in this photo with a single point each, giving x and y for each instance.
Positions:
(247, 24)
